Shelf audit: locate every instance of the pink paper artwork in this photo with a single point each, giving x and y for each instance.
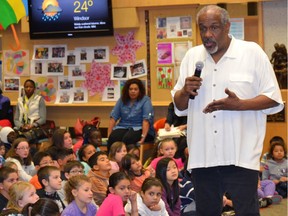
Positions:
(97, 78)
(126, 48)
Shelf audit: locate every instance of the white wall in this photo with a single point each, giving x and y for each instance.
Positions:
(275, 24)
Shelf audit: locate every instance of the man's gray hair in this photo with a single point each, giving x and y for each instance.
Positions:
(223, 13)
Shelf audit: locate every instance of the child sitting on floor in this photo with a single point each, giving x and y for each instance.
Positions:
(132, 166)
(117, 151)
(99, 175)
(50, 179)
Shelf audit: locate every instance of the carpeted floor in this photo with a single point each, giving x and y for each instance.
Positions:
(275, 210)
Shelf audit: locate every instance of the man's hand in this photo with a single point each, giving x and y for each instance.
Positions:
(232, 102)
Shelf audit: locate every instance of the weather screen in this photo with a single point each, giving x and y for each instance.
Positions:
(68, 15)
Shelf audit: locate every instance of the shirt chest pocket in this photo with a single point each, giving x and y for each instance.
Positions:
(241, 84)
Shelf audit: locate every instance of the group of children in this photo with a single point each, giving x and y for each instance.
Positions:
(86, 181)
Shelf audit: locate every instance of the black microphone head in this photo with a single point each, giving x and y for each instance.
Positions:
(199, 65)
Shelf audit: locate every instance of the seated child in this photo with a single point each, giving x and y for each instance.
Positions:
(40, 159)
(276, 168)
(132, 149)
(63, 156)
(21, 193)
(43, 207)
(2, 154)
(49, 178)
(84, 154)
(118, 193)
(99, 175)
(71, 168)
(132, 166)
(149, 200)
(91, 135)
(8, 176)
(165, 148)
(7, 136)
(79, 196)
(117, 151)
(167, 172)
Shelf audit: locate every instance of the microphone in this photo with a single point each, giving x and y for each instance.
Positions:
(199, 65)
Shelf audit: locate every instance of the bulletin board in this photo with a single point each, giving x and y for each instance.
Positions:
(57, 77)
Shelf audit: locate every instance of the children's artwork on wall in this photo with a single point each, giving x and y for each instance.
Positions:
(111, 93)
(11, 84)
(77, 72)
(55, 68)
(174, 27)
(64, 97)
(120, 72)
(80, 95)
(97, 78)
(101, 54)
(165, 53)
(58, 51)
(16, 63)
(72, 58)
(176, 73)
(126, 48)
(164, 77)
(237, 28)
(65, 83)
(138, 69)
(46, 87)
(37, 68)
(180, 49)
(42, 52)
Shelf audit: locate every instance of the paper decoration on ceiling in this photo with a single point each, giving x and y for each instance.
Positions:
(97, 78)
(126, 48)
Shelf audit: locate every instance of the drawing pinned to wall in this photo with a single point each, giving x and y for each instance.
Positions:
(72, 58)
(180, 49)
(11, 84)
(65, 83)
(138, 69)
(97, 78)
(126, 48)
(119, 72)
(174, 27)
(101, 54)
(164, 53)
(41, 52)
(46, 87)
(16, 63)
(77, 72)
(58, 51)
(80, 95)
(111, 93)
(55, 68)
(164, 77)
(37, 68)
(64, 97)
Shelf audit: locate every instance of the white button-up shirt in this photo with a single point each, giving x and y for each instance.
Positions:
(228, 137)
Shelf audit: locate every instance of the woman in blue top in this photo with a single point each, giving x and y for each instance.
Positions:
(132, 118)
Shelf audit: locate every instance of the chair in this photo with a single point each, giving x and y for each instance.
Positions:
(149, 146)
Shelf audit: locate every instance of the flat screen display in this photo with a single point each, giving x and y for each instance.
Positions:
(70, 18)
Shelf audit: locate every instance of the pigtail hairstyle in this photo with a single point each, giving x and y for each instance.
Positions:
(172, 193)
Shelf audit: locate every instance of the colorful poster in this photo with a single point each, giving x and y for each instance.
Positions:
(164, 53)
(164, 77)
(16, 63)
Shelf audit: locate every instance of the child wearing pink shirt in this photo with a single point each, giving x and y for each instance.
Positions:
(165, 148)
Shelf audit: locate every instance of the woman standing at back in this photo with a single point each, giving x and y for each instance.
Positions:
(31, 109)
(135, 114)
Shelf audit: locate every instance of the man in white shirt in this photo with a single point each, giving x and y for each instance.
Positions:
(227, 117)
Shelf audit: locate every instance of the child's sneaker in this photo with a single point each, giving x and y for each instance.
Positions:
(265, 202)
(276, 199)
